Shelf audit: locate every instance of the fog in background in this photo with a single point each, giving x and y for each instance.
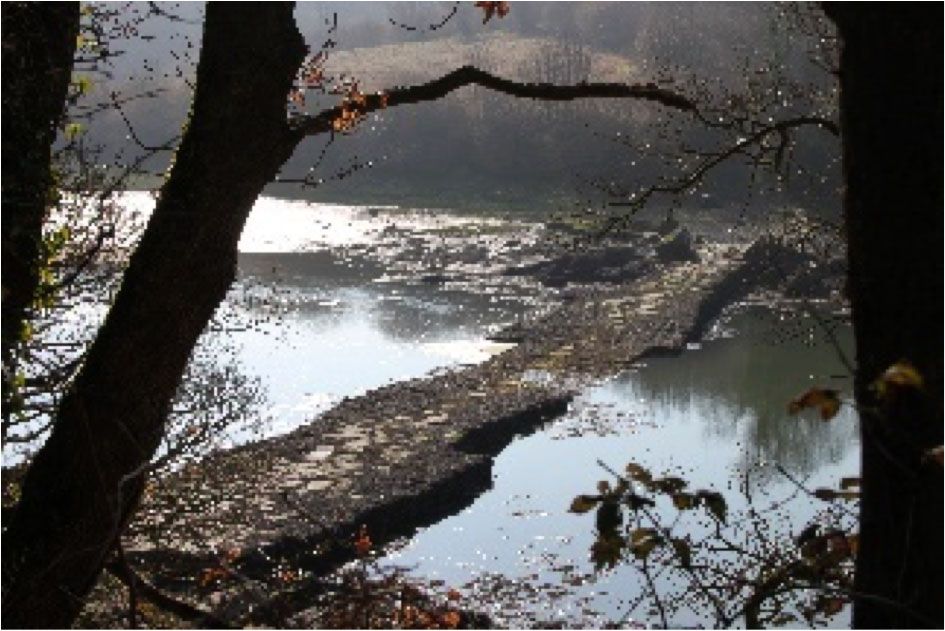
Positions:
(478, 150)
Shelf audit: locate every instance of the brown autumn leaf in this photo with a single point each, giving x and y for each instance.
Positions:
(826, 495)
(492, 8)
(314, 77)
(683, 501)
(362, 542)
(450, 619)
(849, 483)
(683, 551)
(297, 97)
(839, 545)
(584, 503)
(638, 473)
(825, 400)
(831, 606)
(854, 542)
(643, 541)
(453, 594)
(211, 575)
(715, 502)
(668, 485)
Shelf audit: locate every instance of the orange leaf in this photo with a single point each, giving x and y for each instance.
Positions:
(211, 575)
(297, 97)
(362, 543)
(453, 594)
(825, 400)
(450, 619)
(491, 8)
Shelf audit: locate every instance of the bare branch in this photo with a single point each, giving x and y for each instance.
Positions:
(469, 75)
(121, 570)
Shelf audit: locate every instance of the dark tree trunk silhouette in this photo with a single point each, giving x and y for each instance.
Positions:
(891, 118)
(39, 42)
(85, 482)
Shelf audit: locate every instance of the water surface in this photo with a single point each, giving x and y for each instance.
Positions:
(714, 416)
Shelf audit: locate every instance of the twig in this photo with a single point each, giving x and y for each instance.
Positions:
(120, 569)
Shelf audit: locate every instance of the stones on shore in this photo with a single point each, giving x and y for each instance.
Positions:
(677, 247)
(610, 264)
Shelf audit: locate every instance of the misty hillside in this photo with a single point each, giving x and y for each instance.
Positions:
(478, 149)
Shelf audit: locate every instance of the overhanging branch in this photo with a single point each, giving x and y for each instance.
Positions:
(781, 128)
(469, 75)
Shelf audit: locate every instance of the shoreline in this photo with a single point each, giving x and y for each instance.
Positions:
(406, 455)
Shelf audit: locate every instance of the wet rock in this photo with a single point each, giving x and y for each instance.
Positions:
(677, 247)
(612, 264)
(817, 280)
(667, 226)
(435, 279)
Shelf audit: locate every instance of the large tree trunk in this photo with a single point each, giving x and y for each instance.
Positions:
(85, 482)
(891, 116)
(38, 45)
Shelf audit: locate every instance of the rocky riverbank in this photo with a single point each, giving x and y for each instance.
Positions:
(406, 455)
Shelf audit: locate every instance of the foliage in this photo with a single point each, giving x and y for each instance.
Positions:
(733, 565)
(697, 556)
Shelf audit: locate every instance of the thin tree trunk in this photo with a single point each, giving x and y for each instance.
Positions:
(85, 482)
(891, 117)
(39, 42)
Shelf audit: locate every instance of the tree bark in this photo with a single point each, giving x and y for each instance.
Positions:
(891, 118)
(87, 479)
(39, 42)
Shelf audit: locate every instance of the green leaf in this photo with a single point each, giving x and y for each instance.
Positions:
(584, 503)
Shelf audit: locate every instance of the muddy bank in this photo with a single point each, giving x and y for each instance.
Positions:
(405, 455)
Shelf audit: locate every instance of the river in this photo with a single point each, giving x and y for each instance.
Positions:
(332, 301)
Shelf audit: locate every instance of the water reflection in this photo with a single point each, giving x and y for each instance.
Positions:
(738, 390)
(706, 416)
(318, 326)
